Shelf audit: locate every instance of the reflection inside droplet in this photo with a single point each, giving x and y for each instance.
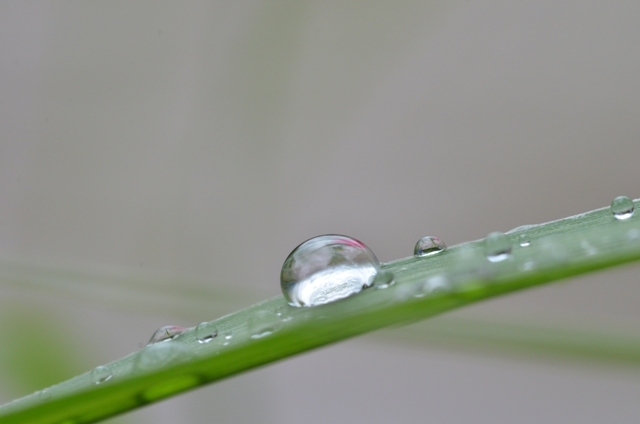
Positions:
(428, 246)
(327, 268)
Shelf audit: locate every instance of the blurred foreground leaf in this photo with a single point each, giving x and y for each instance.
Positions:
(123, 288)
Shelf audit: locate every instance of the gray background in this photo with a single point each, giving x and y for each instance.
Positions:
(176, 152)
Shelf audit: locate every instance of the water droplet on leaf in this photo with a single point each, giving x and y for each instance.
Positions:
(622, 207)
(160, 355)
(205, 332)
(470, 265)
(227, 338)
(101, 374)
(428, 245)
(327, 268)
(497, 247)
(407, 291)
(383, 280)
(524, 240)
(263, 323)
(283, 313)
(166, 333)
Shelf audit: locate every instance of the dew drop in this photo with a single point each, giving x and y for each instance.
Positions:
(161, 355)
(327, 268)
(407, 291)
(524, 240)
(166, 333)
(622, 207)
(497, 247)
(427, 246)
(44, 394)
(283, 313)
(227, 338)
(384, 279)
(101, 374)
(263, 323)
(469, 265)
(205, 332)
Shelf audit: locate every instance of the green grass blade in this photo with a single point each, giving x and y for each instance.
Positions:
(123, 288)
(520, 341)
(559, 249)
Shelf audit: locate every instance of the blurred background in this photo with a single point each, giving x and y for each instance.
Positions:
(159, 161)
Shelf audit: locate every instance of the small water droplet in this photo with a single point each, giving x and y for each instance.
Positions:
(283, 313)
(44, 394)
(427, 246)
(497, 247)
(622, 207)
(524, 240)
(227, 338)
(407, 291)
(206, 331)
(263, 323)
(101, 374)
(384, 279)
(166, 333)
(327, 268)
(160, 355)
(469, 265)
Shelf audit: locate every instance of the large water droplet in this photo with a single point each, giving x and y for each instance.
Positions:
(101, 374)
(160, 355)
(384, 279)
(327, 268)
(263, 323)
(428, 245)
(622, 207)
(497, 247)
(206, 331)
(166, 333)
